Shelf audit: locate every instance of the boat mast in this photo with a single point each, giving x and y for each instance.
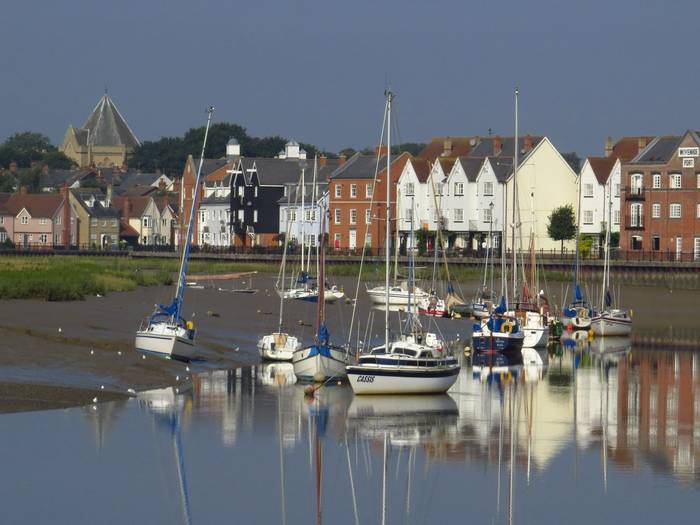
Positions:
(180, 290)
(606, 259)
(284, 259)
(321, 275)
(578, 233)
(303, 223)
(387, 236)
(515, 191)
(314, 198)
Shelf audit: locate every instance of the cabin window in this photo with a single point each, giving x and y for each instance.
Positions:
(378, 351)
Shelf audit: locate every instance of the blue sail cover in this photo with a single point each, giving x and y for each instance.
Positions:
(303, 278)
(578, 295)
(323, 335)
(450, 288)
(501, 308)
(608, 298)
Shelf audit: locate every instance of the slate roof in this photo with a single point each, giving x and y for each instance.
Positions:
(209, 165)
(502, 169)
(471, 167)
(602, 166)
(359, 166)
(36, 204)
(658, 151)
(60, 178)
(107, 127)
(321, 189)
(213, 199)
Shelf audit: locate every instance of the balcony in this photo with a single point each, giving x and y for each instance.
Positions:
(635, 193)
(634, 222)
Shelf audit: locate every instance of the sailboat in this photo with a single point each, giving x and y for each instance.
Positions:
(609, 320)
(165, 332)
(417, 363)
(279, 345)
(579, 312)
(321, 361)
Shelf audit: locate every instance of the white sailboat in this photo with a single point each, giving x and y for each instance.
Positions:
(279, 345)
(417, 363)
(321, 361)
(609, 320)
(165, 332)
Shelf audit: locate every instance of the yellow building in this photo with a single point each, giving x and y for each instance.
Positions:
(104, 140)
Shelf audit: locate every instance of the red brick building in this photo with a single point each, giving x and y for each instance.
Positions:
(660, 205)
(358, 205)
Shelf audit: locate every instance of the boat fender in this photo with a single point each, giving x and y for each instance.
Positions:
(190, 325)
(507, 328)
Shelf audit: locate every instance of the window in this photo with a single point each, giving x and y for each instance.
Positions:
(440, 187)
(656, 181)
(255, 191)
(240, 215)
(675, 181)
(353, 191)
(636, 242)
(43, 220)
(459, 189)
(616, 217)
(369, 191)
(368, 240)
(2, 220)
(697, 180)
(336, 214)
(24, 219)
(458, 214)
(674, 211)
(636, 184)
(617, 189)
(408, 189)
(353, 216)
(637, 212)
(57, 221)
(697, 211)
(409, 214)
(338, 191)
(147, 221)
(588, 216)
(655, 210)
(307, 215)
(93, 222)
(488, 188)
(588, 190)
(163, 222)
(656, 243)
(487, 214)
(43, 238)
(3, 236)
(368, 216)
(255, 215)
(696, 249)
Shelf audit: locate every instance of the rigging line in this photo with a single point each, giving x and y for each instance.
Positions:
(371, 206)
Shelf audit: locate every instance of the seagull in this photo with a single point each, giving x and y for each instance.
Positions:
(119, 352)
(102, 387)
(143, 357)
(177, 378)
(59, 330)
(92, 352)
(187, 368)
(94, 399)
(131, 391)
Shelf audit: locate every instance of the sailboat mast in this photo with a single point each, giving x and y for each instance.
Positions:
(284, 259)
(321, 274)
(303, 224)
(578, 232)
(314, 198)
(180, 290)
(387, 235)
(515, 191)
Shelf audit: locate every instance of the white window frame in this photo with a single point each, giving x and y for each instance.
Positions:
(353, 191)
(147, 221)
(459, 189)
(408, 217)
(616, 217)
(674, 210)
(409, 189)
(337, 239)
(368, 216)
(656, 210)
(24, 219)
(487, 215)
(369, 190)
(674, 181)
(458, 214)
(656, 181)
(353, 216)
(588, 190)
(338, 191)
(587, 216)
(697, 210)
(255, 215)
(368, 240)
(488, 188)
(337, 215)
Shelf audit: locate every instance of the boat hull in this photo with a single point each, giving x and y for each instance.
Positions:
(164, 345)
(396, 298)
(578, 323)
(397, 380)
(320, 363)
(604, 325)
(278, 347)
(535, 337)
(497, 342)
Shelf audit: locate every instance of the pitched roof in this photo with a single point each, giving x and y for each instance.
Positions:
(126, 230)
(3, 199)
(97, 209)
(485, 147)
(59, 178)
(359, 166)
(107, 127)
(456, 147)
(658, 151)
(471, 167)
(37, 205)
(446, 164)
(397, 166)
(502, 168)
(602, 166)
(627, 148)
(291, 196)
(422, 169)
(137, 205)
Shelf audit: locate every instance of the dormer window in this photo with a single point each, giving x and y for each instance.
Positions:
(24, 219)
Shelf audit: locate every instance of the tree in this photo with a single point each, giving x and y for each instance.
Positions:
(572, 160)
(31, 178)
(7, 182)
(561, 225)
(414, 148)
(57, 160)
(25, 148)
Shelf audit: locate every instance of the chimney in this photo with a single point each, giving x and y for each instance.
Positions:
(342, 158)
(608, 146)
(66, 234)
(641, 143)
(322, 160)
(380, 150)
(109, 195)
(497, 145)
(447, 147)
(22, 190)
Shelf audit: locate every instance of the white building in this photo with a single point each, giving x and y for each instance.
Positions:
(214, 222)
(303, 221)
(599, 177)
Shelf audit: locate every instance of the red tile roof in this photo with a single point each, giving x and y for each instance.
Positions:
(627, 148)
(602, 166)
(40, 206)
(137, 205)
(397, 166)
(436, 147)
(126, 230)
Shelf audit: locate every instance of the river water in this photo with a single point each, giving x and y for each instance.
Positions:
(584, 434)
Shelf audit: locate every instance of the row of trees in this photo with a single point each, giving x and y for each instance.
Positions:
(27, 148)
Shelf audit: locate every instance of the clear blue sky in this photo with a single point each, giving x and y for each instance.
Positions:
(315, 70)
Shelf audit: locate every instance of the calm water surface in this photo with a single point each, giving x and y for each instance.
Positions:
(583, 434)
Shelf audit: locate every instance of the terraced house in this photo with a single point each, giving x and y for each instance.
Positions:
(661, 199)
(97, 219)
(38, 220)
